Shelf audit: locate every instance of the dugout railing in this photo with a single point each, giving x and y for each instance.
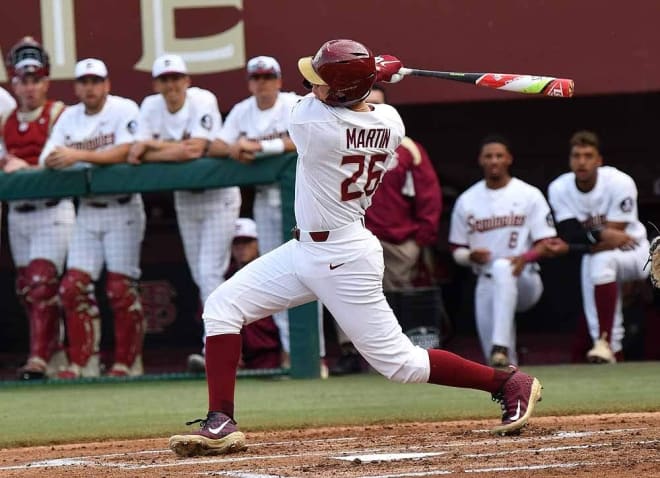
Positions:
(203, 173)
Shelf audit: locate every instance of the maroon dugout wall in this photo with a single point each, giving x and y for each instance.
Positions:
(606, 47)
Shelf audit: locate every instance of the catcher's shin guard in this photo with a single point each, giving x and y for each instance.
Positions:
(43, 308)
(22, 287)
(81, 310)
(129, 319)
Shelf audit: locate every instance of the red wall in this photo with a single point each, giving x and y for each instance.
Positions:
(606, 47)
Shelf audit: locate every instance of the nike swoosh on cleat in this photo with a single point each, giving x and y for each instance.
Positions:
(333, 267)
(515, 417)
(215, 431)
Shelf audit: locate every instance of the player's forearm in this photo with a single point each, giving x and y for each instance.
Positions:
(218, 148)
(164, 151)
(113, 155)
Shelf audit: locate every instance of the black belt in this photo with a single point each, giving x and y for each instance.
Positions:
(102, 205)
(27, 207)
(317, 236)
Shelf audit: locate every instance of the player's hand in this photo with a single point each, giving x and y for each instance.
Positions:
(13, 163)
(611, 238)
(387, 68)
(246, 157)
(63, 157)
(480, 256)
(553, 247)
(249, 145)
(136, 152)
(517, 265)
(191, 149)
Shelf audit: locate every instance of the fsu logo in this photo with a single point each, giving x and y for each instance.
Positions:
(207, 122)
(550, 220)
(132, 126)
(627, 204)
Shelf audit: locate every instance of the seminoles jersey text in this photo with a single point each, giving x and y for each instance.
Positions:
(506, 221)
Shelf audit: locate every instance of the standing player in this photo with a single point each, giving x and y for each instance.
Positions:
(344, 145)
(259, 125)
(595, 207)
(108, 230)
(39, 230)
(177, 124)
(499, 227)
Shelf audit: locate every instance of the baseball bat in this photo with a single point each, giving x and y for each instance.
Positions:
(530, 84)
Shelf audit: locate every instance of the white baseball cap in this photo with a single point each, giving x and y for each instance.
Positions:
(168, 64)
(245, 227)
(263, 65)
(91, 67)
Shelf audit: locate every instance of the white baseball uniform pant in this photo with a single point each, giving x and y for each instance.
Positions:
(603, 268)
(207, 222)
(498, 296)
(42, 233)
(300, 271)
(112, 234)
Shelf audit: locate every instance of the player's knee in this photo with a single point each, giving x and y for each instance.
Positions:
(221, 315)
(41, 281)
(502, 270)
(75, 287)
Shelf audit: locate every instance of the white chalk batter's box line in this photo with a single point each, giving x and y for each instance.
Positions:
(97, 460)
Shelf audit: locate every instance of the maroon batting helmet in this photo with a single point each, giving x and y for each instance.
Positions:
(346, 66)
(27, 57)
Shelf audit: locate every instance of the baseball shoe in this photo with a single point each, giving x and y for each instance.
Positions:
(499, 357)
(601, 351)
(34, 369)
(71, 372)
(518, 396)
(218, 434)
(196, 363)
(119, 369)
(324, 373)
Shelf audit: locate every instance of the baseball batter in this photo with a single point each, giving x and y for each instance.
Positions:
(344, 147)
(176, 124)
(259, 125)
(498, 227)
(595, 207)
(39, 230)
(108, 230)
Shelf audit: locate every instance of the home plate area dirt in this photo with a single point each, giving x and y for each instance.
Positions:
(616, 445)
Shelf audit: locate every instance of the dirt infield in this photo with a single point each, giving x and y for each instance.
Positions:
(621, 445)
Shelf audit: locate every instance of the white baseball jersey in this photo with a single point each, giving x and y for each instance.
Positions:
(199, 117)
(506, 221)
(115, 124)
(7, 105)
(334, 190)
(247, 120)
(613, 198)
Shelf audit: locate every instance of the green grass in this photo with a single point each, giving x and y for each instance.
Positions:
(46, 414)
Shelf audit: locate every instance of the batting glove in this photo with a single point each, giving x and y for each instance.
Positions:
(387, 68)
